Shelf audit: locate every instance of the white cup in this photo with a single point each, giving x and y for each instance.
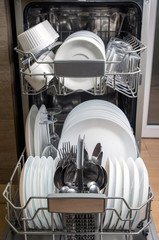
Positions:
(41, 71)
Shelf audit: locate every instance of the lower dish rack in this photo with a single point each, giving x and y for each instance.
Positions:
(81, 214)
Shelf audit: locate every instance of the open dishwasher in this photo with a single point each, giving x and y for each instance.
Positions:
(81, 214)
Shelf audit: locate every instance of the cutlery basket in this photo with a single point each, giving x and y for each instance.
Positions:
(81, 214)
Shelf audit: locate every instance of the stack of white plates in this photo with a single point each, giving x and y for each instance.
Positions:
(129, 180)
(81, 45)
(103, 122)
(37, 135)
(37, 181)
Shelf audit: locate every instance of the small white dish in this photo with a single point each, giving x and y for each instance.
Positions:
(29, 130)
(38, 38)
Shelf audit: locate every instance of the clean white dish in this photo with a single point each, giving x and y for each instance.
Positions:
(38, 38)
(37, 80)
(134, 187)
(40, 192)
(89, 34)
(21, 189)
(51, 189)
(91, 113)
(44, 189)
(33, 185)
(110, 190)
(94, 105)
(29, 130)
(115, 140)
(101, 115)
(80, 48)
(144, 188)
(125, 192)
(118, 193)
(35, 191)
(41, 132)
(27, 213)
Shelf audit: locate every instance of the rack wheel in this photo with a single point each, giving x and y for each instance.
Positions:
(145, 231)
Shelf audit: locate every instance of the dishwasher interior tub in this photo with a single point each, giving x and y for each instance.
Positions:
(108, 19)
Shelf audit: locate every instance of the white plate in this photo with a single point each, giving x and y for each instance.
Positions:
(115, 140)
(118, 193)
(51, 189)
(40, 192)
(94, 105)
(41, 132)
(134, 187)
(125, 192)
(97, 114)
(33, 189)
(27, 213)
(104, 116)
(44, 189)
(21, 189)
(144, 188)
(89, 34)
(110, 190)
(80, 48)
(29, 130)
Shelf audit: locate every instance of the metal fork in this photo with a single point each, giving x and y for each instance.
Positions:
(74, 151)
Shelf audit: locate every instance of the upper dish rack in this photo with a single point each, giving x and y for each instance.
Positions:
(82, 214)
(85, 69)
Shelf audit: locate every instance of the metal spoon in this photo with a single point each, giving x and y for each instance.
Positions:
(96, 155)
(102, 177)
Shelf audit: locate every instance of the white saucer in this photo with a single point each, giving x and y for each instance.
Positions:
(80, 48)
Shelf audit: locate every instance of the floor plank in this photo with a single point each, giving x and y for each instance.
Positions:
(150, 155)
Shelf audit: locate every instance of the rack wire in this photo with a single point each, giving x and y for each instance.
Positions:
(91, 218)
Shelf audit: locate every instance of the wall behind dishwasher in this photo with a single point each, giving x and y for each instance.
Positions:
(8, 97)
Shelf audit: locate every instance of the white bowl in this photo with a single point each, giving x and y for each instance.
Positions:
(39, 81)
(37, 38)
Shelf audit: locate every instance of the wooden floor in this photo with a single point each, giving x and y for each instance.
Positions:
(150, 154)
